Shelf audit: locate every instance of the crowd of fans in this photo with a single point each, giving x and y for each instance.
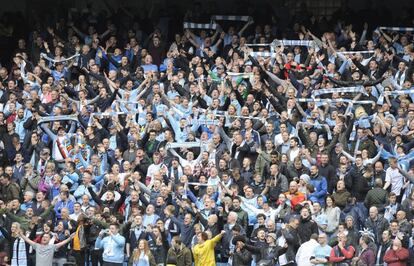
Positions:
(134, 148)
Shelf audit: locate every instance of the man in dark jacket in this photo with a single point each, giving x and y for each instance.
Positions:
(360, 186)
(210, 224)
(110, 201)
(377, 196)
(243, 218)
(259, 242)
(232, 229)
(186, 227)
(293, 240)
(384, 246)
(295, 169)
(179, 254)
(241, 255)
(270, 253)
(328, 171)
(9, 190)
(307, 226)
(376, 223)
(276, 182)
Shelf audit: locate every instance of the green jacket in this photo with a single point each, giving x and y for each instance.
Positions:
(376, 197)
(25, 221)
(261, 162)
(242, 217)
(182, 257)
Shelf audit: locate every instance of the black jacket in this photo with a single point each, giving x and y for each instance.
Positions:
(307, 227)
(242, 258)
(111, 204)
(267, 253)
(293, 240)
(328, 171)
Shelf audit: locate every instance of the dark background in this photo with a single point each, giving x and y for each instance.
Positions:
(24, 16)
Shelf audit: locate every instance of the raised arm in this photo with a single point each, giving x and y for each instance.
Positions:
(94, 196)
(217, 238)
(376, 158)
(27, 240)
(67, 97)
(48, 131)
(349, 156)
(64, 242)
(78, 32)
(227, 140)
(248, 23)
(45, 68)
(174, 124)
(173, 152)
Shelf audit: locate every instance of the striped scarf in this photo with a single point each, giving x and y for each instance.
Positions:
(179, 173)
(339, 100)
(357, 52)
(208, 122)
(399, 92)
(19, 253)
(259, 44)
(364, 122)
(198, 184)
(205, 26)
(243, 75)
(43, 55)
(219, 113)
(104, 114)
(183, 145)
(99, 114)
(295, 43)
(358, 89)
(400, 77)
(231, 18)
(397, 28)
(263, 54)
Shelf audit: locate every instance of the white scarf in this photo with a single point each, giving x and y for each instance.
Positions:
(402, 78)
(19, 253)
(179, 170)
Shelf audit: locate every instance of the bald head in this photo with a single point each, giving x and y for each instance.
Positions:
(232, 218)
(397, 243)
(293, 187)
(212, 219)
(373, 212)
(401, 215)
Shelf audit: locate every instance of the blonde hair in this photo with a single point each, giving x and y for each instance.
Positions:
(360, 112)
(137, 252)
(197, 226)
(18, 228)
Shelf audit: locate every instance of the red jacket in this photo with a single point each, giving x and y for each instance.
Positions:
(396, 258)
(342, 255)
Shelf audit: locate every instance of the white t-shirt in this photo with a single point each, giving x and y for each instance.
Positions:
(396, 179)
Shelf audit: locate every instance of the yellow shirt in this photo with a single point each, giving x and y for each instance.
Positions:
(204, 253)
(76, 240)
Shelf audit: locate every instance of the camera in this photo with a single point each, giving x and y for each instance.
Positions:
(104, 233)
